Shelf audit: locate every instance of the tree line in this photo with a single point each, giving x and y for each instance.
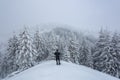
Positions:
(25, 51)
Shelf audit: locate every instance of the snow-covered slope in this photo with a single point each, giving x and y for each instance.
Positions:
(67, 71)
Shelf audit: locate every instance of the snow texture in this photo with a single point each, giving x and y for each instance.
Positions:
(66, 71)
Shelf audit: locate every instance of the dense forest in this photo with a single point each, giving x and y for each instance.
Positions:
(25, 50)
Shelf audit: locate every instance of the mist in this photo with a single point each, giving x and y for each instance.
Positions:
(82, 15)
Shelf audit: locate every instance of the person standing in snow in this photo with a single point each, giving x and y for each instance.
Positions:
(57, 55)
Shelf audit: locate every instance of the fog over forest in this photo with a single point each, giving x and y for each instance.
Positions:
(84, 15)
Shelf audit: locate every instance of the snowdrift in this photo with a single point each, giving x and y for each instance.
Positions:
(66, 71)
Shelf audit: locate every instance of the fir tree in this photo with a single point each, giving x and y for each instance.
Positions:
(114, 61)
(73, 50)
(39, 46)
(100, 56)
(9, 65)
(84, 55)
(26, 54)
(12, 48)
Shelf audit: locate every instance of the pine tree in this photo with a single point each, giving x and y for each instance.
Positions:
(84, 54)
(73, 50)
(9, 66)
(40, 47)
(26, 54)
(12, 48)
(114, 61)
(4, 68)
(100, 55)
(63, 47)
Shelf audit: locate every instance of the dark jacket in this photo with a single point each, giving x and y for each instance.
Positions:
(57, 54)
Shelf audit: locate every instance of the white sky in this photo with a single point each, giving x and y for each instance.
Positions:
(86, 15)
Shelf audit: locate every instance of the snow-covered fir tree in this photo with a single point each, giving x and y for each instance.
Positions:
(9, 64)
(40, 46)
(4, 68)
(114, 61)
(26, 54)
(84, 55)
(12, 48)
(73, 50)
(106, 53)
(100, 55)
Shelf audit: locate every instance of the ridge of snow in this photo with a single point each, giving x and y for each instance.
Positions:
(66, 71)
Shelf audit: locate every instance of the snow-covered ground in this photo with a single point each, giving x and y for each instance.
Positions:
(66, 71)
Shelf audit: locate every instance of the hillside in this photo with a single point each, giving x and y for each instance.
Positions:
(67, 71)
